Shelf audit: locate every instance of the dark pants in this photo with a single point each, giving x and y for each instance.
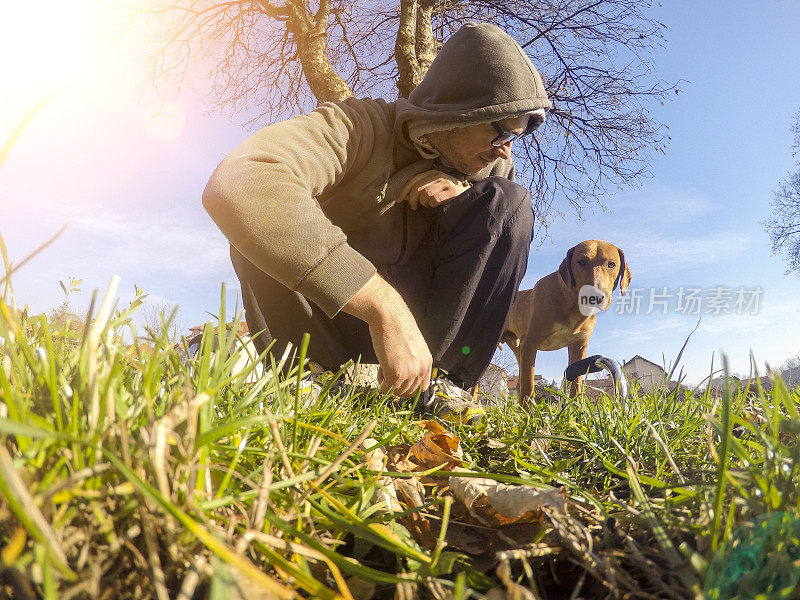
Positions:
(459, 285)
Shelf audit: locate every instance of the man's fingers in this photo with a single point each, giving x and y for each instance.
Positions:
(440, 192)
(426, 192)
(406, 386)
(419, 194)
(413, 199)
(406, 192)
(426, 380)
(398, 388)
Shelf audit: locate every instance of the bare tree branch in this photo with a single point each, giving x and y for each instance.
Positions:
(783, 226)
(288, 55)
(311, 36)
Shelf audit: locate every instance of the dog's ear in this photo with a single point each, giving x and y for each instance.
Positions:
(623, 279)
(565, 270)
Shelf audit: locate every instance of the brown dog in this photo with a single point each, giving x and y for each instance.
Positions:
(551, 315)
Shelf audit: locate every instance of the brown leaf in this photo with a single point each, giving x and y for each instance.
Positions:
(400, 459)
(470, 540)
(375, 460)
(397, 490)
(503, 504)
(438, 447)
(416, 523)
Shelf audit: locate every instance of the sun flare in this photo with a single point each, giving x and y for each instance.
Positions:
(41, 56)
(164, 121)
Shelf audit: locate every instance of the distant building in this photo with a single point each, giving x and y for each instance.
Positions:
(638, 369)
(135, 354)
(513, 382)
(717, 385)
(751, 385)
(648, 374)
(196, 336)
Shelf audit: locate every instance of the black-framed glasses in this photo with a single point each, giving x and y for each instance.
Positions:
(504, 136)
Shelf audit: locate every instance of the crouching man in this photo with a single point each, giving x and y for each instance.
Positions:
(390, 230)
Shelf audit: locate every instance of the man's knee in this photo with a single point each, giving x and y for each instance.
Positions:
(501, 186)
(503, 206)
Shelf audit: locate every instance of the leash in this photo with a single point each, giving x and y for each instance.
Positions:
(595, 364)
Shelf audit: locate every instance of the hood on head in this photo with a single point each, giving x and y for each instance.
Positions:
(480, 75)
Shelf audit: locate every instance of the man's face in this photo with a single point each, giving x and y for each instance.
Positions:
(469, 149)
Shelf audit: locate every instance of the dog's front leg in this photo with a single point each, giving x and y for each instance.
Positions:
(527, 365)
(576, 352)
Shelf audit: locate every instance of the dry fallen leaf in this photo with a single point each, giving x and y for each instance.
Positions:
(415, 522)
(410, 491)
(438, 446)
(375, 460)
(503, 504)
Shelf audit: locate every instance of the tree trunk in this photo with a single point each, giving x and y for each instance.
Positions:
(415, 47)
(425, 44)
(405, 49)
(311, 36)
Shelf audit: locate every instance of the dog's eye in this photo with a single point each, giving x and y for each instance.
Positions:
(611, 264)
(582, 262)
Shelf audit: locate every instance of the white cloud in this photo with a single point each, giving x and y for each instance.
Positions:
(174, 243)
(657, 252)
(658, 204)
(649, 330)
(662, 230)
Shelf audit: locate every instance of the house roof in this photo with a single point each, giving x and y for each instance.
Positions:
(753, 382)
(717, 383)
(645, 360)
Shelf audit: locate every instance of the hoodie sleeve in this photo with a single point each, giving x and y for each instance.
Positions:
(262, 197)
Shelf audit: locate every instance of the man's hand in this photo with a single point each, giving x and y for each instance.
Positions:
(431, 188)
(405, 359)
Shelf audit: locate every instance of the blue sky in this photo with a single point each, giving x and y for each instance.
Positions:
(131, 193)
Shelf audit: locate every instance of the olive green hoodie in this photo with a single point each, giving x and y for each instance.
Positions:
(311, 201)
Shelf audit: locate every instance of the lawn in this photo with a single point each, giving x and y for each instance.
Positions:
(131, 474)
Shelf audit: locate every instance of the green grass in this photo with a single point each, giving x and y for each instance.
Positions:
(127, 476)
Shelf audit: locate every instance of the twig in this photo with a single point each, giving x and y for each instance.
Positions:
(159, 581)
(276, 436)
(261, 504)
(577, 589)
